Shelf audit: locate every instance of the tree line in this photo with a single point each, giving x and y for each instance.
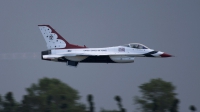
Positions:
(52, 95)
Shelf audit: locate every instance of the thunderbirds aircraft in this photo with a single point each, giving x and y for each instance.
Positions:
(60, 50)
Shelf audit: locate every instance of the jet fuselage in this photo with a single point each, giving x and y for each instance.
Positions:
(62, 51)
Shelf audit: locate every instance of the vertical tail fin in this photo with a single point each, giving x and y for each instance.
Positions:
(54, 40)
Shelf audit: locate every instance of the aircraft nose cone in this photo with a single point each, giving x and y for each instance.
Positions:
(166, 55)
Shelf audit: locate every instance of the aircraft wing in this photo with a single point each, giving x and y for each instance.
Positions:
(85, 54)
(91, 54)
(97, 54)
(59, 55)
(64, 55)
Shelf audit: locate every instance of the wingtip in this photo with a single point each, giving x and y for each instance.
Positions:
(43, 25)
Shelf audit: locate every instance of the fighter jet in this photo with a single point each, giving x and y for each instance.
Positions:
(60, 50)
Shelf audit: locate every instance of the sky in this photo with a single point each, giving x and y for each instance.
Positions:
(165, 25)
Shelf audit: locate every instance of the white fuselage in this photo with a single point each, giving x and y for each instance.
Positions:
(118, 54)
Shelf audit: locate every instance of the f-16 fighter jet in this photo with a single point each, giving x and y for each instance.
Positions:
(60, 50)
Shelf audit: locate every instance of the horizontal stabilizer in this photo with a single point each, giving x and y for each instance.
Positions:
(52, 56)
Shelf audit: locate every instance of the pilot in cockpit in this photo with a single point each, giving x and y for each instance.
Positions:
(138, 46)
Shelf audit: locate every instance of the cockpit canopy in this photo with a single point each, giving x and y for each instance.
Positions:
(136, 46)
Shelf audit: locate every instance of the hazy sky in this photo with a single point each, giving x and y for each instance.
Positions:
(166, 25)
